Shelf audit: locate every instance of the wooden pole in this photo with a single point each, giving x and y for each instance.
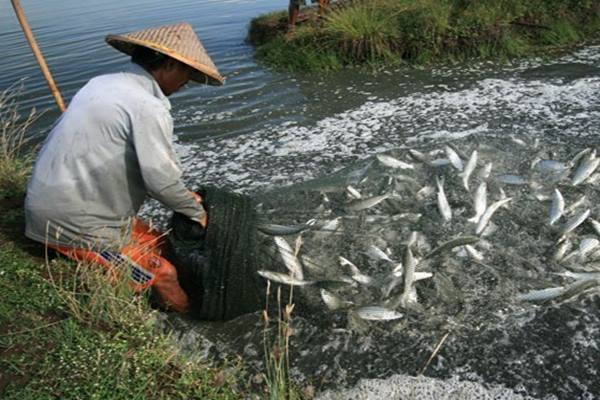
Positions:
(38, 54)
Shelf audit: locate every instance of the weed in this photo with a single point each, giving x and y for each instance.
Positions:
(15, 162)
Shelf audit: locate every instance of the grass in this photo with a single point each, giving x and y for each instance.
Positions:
(383, 32)
(65, 332)
(15, 159)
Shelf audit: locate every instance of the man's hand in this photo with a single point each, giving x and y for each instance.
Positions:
(198, 198)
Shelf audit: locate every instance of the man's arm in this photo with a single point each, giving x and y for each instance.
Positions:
(160, 168)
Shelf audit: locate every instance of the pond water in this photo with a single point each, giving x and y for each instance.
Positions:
(265, 129)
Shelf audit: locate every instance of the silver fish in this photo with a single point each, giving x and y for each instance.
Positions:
(442, 202)
(557, 208)
(289, 258)
(364, 204)
(582, 200)
(376, 253)
(579, 156)
(418, 156)
(562, 249)
(474, 253)
(410, 263)
(419, 276)
(487, 215)
(356, 274)
(353, 192)
(450, 244)
(595, 225)
(550, 166)
(334, 302)
(573, 223)
(454, 158)
(425, 192)
(580, 275)
(392, 162)
(542, 294)
(284, 230)
(469, 168)
(377, 313)
(510, 179)
(283, 278)
(586, 246)
(485, 172)
(585, 169)
(439, 162)
(479, 202)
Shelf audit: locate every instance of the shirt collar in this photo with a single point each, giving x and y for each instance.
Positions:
(149, 83)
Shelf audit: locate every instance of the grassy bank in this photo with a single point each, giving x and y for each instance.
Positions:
(359, 32)
(65, 333)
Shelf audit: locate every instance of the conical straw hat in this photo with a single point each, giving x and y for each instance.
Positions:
(178, 41)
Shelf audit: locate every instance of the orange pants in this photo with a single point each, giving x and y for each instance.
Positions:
(142, 255)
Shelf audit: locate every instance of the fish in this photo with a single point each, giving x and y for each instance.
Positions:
(392, 162)
(364, 204)
(510, 179)
(284, 230)
(334, 302)
(356, 274)
(479, 202)
(557, 208)
(442, 202)
(550, 166)
(283, 278)
(542, 294)
(469, 168)
(425, 192)
(485, 172)
(450, 244)
(377, 313)
(289, 258)
(573, 223)
(454, 158)
(419, 276)
(562, 249)
(409, 295)
(595, 225)
(582, 200)
(579, 275)
(586, 246)
(353, 192)
(579, 156)
(418, 156)
(376, 253)
(487, 215)
(439, 162)
(474, 253)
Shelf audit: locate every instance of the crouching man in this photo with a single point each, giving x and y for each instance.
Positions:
(110, 149)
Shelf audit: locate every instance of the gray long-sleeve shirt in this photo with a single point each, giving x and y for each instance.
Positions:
(111, 148)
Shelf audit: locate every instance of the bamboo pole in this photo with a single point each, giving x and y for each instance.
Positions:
(38, 54)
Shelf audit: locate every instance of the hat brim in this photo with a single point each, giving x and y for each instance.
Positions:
(201, 73)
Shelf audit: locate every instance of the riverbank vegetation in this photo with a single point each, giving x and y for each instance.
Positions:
(67, 334)
(359, 32)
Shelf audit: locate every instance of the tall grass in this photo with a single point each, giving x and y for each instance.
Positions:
(426, 31)
(15, 159)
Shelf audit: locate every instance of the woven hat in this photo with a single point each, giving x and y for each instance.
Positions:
(178, 41)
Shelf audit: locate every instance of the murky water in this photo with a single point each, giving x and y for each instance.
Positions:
(265, 129)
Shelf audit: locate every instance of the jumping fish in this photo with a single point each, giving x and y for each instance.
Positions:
(487, 215)
(356, 274)
(392, 162)
(410, 263)
(585, 169)
(283, 278)
(289, 258)
(364, 204)
(557, 208)
(454, 158)
(573, 223)
(334, 302)
(469, 168)
(450, 244)
(442, 202)
(485, 172)
(376, 253)
(510, 179)
(479, 202)
(377, 313)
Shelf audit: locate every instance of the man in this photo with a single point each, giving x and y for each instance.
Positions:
(294, 11)
(109, 150)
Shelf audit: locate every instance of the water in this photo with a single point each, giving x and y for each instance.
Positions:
(266, 129)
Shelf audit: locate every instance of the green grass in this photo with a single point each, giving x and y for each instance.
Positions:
(48, 350)
(367, 32)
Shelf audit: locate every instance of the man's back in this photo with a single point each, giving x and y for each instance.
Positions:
(87, 179)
